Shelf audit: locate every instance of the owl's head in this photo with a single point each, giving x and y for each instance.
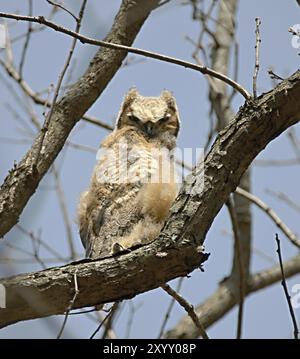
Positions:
(151, 116)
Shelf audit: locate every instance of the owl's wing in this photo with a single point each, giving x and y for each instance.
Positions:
(109, 207)
(91, 223)
(108, 220)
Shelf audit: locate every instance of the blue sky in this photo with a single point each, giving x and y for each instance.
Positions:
(266, 314)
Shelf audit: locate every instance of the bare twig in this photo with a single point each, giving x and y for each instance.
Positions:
(132, 60)
(270, 212)
(34, 29)
(8, 46)
(274, 76)
(108, 331)
(79, 146)
(295, 142)
(255, 250)
(19, 101)
(12, 72)
(18, 249)
(47, 102)
(60, 80)
(204, 17)
(168, 312)
(36, 247)
(97, 122)
(133, 309)
(187, 307)
(36, 242)
(213, 308)
(164, 2)
(63, 206)
(80, 97)
(228, 174)
(84, 39)
(236, 69)
(257, 48)
(84, 311)
(285, 288)
(220, 58)
(72, 301)
(239, 256)
(63, 8)
(26, 129)
(31, 235)
(27, 39)
(285, 198)
(112, 310)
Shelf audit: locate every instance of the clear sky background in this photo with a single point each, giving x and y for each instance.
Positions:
(266, 313)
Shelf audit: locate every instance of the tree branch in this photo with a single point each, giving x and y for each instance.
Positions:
(178, 249)
(286, 291)
(114, 45)
(58, 86)
(271, 213)
(187, 307)
(224, 38)
(257, 48)
(27, 90)
(239, 257)
(225, 298)
(22, 181)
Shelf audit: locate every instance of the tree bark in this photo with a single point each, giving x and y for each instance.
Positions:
(23, 179)
(178, 249)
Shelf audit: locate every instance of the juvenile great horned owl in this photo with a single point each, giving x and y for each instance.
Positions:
(133, 184)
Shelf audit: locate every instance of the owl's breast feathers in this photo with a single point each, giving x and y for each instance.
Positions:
(132, 188)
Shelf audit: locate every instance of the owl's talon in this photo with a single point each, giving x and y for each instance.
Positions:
(117, 248)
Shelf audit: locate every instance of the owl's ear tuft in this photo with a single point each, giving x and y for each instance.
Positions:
(169, 99)
(130, 96)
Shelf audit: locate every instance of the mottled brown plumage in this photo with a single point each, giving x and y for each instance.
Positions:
(134, 183)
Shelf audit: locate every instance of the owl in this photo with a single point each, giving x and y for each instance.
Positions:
(134, 181)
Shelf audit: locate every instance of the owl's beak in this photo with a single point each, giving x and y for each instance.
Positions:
(149, 126)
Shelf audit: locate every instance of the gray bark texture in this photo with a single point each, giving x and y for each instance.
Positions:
(178, 249)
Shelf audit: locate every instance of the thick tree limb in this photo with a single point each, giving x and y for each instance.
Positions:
(177, 251)
(23, 180)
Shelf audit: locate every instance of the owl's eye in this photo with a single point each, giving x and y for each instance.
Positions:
(165, 118)
(134, 118)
